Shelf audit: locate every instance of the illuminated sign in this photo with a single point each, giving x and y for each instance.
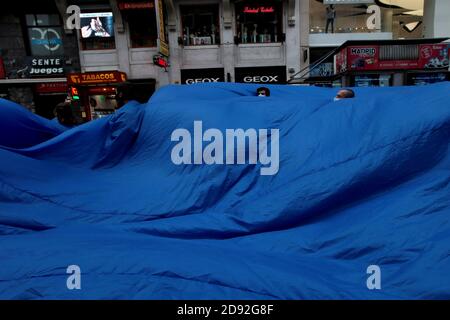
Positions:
(261, 9)
(160, 61)
(46, 66)
(96, 77)
(136, 5)
(97, 25)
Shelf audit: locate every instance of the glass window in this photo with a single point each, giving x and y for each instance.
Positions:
(200, 25)
(142, 27)
(45, 34)
(259, 21)
(420, 79)
(373, 80)
(351, 17)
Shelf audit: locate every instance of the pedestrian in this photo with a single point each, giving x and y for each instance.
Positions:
(64, 114)
(331, 16)
(124, 95)
(263, 92)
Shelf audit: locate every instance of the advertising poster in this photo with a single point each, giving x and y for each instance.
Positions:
(97, 25)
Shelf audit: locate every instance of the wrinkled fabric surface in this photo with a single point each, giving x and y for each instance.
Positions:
(363, 181)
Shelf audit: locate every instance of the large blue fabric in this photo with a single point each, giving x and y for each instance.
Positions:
(361, 182)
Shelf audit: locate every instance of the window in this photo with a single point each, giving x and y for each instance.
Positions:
(142, 27)
(373, 80)
(200, 25)
(97, 30)
(44, 34)
(347, 16)
(259, 21)
(420, 79)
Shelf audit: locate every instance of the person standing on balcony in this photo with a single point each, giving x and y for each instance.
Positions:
(331, 16)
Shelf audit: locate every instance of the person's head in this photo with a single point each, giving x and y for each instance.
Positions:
(263, 92)
(64, 114)
(344, 94)
(123, 95)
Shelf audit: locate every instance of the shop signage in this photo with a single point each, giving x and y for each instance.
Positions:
(46, 40)
(96, 77)
(430, 56)
(192, 76)
(261, 9)
(266, 75)
(341, 61)
(160, 61)
(53, 66)
(136, 5)
(51, 87)
(163, 44)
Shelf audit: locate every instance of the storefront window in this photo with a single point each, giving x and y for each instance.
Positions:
(348, 16)
(44, 34)
(97, 30)
(141, 20)
(259, 21)
(420, 79)
(373, 80)
(200, 25)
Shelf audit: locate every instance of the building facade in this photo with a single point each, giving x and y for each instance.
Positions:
(247, 41)
(36, 55)
(237, 41)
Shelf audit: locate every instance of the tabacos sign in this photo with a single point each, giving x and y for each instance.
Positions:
(192, 76)
(96, 77)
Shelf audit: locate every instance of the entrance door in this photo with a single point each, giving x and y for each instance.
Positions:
(45, 103)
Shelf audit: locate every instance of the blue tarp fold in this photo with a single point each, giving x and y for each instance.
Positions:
(363, 181)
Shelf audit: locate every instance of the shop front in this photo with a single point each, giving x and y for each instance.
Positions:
(191, 76)
(37, 82)
(263, 75)
(259, 21)
(392, 63)
(93, 94)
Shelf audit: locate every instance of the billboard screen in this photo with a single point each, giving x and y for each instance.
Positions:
(97, 25)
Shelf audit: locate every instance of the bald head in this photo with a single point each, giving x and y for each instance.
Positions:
(345, 94)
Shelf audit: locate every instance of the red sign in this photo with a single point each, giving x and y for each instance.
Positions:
(2, 69)
(259, 9)
(160, 61)
(136, 5)
(51, 87)
(341, 61)
(96, 77)
(430, 56)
